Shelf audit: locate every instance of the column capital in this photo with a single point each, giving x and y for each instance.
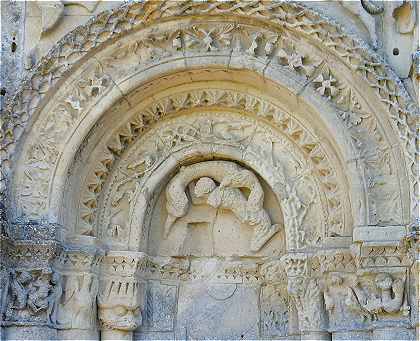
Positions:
(120, 293)
(306, 292)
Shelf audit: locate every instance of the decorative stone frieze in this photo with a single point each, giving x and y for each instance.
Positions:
(381, 247)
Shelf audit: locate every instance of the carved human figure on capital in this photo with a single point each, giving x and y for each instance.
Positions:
(226, 195)
(34, 293)
(78, 307)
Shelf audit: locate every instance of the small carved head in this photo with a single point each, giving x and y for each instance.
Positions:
(204, 186)
(119, 305)
(383, 281)
(120, 315)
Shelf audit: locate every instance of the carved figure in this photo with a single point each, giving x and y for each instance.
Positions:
(39, 292)
(54, 298)
(19, 290)
(295, 211)
(356, 299)
(227, 196)
(389, 300)
(392, 292)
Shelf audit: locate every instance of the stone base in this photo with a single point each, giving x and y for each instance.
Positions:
(316, 336)
(351, 335)
(394, 334)
(78, 334)
(30, 333)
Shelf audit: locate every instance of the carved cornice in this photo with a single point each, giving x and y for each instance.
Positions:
(78, 260)
(123, 263)
(381, 247)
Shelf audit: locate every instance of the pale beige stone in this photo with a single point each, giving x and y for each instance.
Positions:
(211, 170)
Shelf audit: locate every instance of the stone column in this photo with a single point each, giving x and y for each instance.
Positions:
(120, 295)
(77, 313)
(416, 274)
(307, 296)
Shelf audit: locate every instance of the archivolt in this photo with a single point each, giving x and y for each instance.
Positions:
(68, 60)
(209, 97)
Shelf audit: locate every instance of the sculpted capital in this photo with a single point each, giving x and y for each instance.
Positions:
(120, 293)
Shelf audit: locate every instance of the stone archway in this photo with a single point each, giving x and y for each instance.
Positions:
(140, 92)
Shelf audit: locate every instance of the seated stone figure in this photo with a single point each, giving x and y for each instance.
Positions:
(226, 196)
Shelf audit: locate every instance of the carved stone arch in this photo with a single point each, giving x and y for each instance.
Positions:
(105, 71)
(327, 173)
(349, 52)
(147, 191)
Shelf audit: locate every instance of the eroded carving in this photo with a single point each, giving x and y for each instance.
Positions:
(119, 305)
(78, 305)
(306, 292)
(387, 296)
(33, 296)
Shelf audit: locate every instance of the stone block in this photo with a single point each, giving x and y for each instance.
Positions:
(379, 233)
(160, 307)
(217, 311)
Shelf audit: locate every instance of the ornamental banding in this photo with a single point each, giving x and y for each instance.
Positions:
(267, 44)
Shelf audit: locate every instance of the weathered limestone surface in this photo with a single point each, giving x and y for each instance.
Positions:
(209, 170)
